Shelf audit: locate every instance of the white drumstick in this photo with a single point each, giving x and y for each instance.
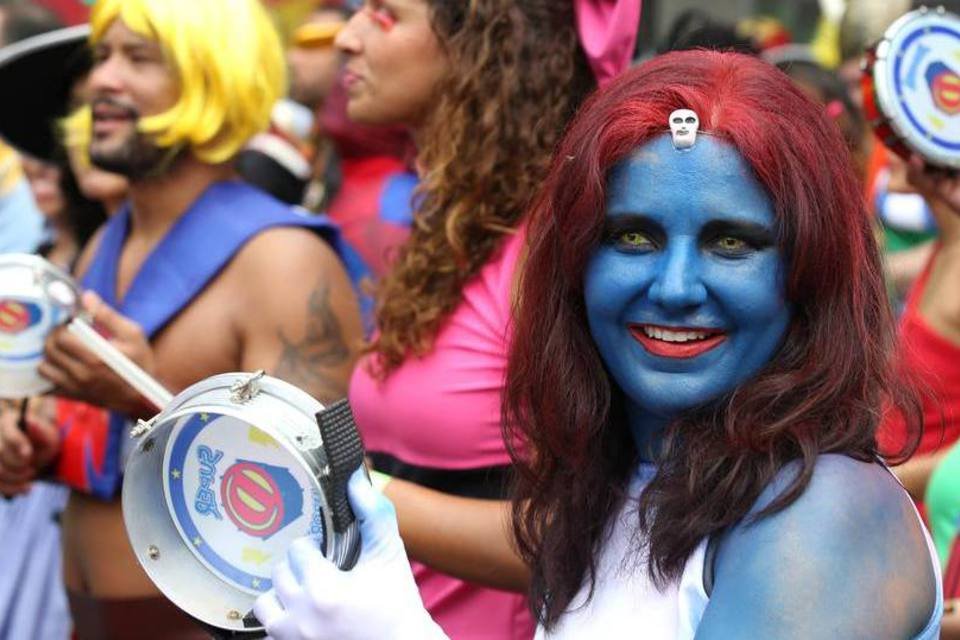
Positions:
(123, 366)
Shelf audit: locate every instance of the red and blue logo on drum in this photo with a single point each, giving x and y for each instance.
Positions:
(17, 316)
(944, 86)
(260, 499)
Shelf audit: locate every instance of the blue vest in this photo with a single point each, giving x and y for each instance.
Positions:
(194, 251)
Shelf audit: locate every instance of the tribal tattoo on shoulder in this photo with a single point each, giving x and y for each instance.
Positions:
(314, 363)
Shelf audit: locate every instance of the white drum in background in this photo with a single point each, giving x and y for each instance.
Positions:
(911, 86)
(35, 297)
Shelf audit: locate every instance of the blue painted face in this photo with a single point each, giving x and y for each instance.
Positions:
(685, 295)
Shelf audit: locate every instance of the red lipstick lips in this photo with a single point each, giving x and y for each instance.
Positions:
(676, 342)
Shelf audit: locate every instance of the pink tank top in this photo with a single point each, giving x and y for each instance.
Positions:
(436, 421)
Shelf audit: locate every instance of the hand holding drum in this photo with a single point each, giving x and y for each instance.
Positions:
(225, 479)
(35, 299)
(222, 481)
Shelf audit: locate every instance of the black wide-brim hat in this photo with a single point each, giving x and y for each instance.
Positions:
(36, 77)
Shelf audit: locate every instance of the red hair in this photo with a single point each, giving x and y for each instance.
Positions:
(821, 393)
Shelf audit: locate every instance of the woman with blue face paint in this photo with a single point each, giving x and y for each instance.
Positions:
(701, 358)
(702, 351)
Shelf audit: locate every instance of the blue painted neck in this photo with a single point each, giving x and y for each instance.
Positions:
(647, 430)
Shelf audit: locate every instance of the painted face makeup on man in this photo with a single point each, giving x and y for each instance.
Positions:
(685, 293)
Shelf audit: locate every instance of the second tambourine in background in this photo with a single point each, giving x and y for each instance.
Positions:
(35, 297)
(911, 86)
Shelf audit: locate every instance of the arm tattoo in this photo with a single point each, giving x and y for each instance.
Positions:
(308, 363)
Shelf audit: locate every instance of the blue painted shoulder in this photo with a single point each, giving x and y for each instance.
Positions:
(848, 559)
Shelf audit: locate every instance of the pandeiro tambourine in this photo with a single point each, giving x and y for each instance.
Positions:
(225, 478)
(911, 86)
(35, 296)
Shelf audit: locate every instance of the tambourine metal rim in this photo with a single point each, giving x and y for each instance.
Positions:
(280, 410)
(894, 123)
(48, 286)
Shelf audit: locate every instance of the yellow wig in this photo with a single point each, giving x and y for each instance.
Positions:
(229, 62)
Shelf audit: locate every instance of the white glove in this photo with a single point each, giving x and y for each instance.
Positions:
(312, 599)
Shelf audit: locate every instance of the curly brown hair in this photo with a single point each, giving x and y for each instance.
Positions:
(517, 75)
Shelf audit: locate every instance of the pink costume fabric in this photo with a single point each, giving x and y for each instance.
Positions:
(436, 421)
(608, 34)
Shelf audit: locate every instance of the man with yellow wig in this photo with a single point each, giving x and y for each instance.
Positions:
(200, 273)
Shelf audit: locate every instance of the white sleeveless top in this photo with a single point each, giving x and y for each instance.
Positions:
(625, 600)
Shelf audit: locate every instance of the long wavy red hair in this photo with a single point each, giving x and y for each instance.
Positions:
(822, 392)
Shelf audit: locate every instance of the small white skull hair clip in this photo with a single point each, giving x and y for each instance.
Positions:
(684, 125)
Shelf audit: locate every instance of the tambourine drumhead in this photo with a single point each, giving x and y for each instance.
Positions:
(35, 296)
(218, 488)
(916, 85)
(239, 497)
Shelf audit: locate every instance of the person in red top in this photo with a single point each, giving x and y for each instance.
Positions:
(930, 337)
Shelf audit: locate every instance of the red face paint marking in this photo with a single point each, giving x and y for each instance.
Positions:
(381, 17)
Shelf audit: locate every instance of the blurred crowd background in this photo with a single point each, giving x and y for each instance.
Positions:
(364, 178)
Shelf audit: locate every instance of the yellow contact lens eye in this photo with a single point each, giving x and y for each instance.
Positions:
(728, 243)
(634, 239)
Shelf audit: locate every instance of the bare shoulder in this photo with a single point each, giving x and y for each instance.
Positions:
(297, 314)
(282, 250)
(847, 559)
(281, 269)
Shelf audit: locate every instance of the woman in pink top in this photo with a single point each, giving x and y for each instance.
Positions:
(487, 88)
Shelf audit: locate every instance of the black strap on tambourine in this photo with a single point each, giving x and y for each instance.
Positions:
(344, 449)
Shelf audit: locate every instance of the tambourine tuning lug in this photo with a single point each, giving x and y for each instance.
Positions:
(245, 390)
(142, 428)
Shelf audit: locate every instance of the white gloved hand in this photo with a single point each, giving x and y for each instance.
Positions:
(312, 599)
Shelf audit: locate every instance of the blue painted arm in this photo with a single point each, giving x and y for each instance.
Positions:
(847, 560)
